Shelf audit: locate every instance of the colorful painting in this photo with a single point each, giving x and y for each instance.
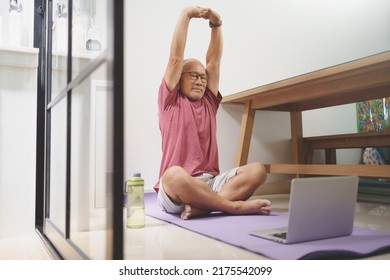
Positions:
(373, 115)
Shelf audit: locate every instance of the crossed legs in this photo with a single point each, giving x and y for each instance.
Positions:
(199, 199)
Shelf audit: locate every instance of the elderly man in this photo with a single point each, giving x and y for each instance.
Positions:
(190, 181)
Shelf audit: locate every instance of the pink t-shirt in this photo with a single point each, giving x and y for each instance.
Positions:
(188, 130)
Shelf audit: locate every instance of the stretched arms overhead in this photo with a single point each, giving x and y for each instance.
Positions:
(214, 53)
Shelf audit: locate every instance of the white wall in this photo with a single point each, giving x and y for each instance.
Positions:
(265, 41)
(18, 73)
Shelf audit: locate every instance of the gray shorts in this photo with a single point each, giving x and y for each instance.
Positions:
(215, 182)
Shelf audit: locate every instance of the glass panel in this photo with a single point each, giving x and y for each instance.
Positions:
(89, 32)
(57, 186)
(91, 147)
(59, 46)
(91, 163)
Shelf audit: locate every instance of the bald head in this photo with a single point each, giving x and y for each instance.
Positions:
(192, 64)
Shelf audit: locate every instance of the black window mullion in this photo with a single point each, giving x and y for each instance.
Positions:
(39, 42)
(49, 16)
(69, 122)
(118, 81)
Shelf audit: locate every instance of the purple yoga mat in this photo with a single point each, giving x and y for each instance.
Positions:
(235, 230)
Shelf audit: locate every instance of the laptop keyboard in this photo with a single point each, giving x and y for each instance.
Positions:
(282, 235)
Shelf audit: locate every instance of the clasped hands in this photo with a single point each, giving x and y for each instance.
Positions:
(205, 13)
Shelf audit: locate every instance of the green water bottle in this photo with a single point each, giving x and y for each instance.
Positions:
(135, 202)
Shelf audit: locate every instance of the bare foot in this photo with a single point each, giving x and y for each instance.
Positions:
(254, 206)
(192, 212)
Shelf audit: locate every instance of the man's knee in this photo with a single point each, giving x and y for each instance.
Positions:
(257, 173)
(174, 176)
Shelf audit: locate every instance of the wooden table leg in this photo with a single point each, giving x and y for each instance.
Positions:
(297, 153)
(244, 140)
(330, 156)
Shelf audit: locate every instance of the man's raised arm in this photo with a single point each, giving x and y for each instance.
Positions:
(214, 52)
(178, 44)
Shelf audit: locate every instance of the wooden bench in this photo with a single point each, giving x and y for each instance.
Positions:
(359, 80)
(331, 143)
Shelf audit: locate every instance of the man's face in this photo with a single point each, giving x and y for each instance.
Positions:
(193, 81)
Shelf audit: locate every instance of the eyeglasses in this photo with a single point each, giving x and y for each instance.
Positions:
(195, 75)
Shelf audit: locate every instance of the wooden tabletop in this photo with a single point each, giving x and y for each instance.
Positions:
(359, 80)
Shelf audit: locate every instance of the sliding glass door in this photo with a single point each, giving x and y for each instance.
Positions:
(80, 127)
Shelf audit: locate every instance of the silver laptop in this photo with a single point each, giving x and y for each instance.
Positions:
(320, 207)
